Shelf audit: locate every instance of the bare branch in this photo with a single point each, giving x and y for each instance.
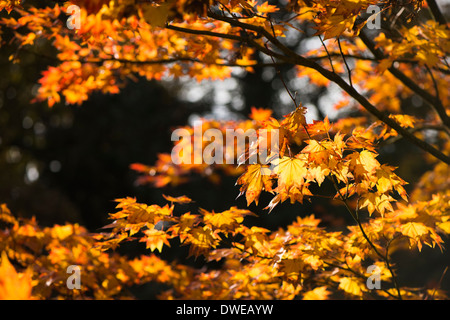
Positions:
(328, 54)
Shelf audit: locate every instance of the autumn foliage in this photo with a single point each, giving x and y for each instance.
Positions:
(375, 70)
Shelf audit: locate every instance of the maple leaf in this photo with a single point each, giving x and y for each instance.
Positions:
(201, 240)
(254, 180)
(255, 239)
(415, 231)
(317, 152)
(295, 120)
(259, 114)
(9, 5)
(376, 202)
(155, 239)
(404, 120)
(319, 293)
(63, 232)
(180, 199)
(6, 215)
(266, 8)
(227, 220)
(351, 286)
(387, 181)
(362, 163)
(291, 179)
(318, 173)
(291, 269)
(186, 222)
(336, 25)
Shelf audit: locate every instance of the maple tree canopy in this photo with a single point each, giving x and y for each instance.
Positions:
(378, 53)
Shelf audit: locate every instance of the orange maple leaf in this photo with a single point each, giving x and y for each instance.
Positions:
(259, 114)
(254, 180)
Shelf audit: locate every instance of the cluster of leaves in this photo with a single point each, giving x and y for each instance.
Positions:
(34, 263)
(304, 255)
(303, 260)
(321, 154)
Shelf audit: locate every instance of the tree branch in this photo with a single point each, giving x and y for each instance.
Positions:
(345, 62)
(204, 33)
(355, 216)
(292, 57)
(438, 16)
(328, 54)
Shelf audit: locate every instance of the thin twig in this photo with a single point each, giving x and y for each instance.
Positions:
(440, 282)
(355, 216)
(345, 61)
(394, 278)
(434, 82)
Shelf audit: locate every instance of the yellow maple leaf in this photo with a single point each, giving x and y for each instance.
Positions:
(62, 232)
(318, 173)
(267, 8)
(291, 268)
(406, 121)
(317, 151)
(418, 232)
(6, 215)
(445, 226)
(254, 180)
(414, 229)
(336, 25)
(291, 173)
(155, 239)
(376, 202)
(202, 240)
(362, 163)
(350, 286)
(295, 120)
(226, 220)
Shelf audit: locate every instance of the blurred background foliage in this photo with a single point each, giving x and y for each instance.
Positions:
(68, 163)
